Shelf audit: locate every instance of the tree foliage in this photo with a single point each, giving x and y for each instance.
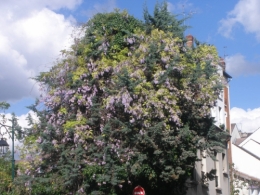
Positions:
(6, 183)
(163, 20)
(4, 105)
(128, 105)
(5, 174)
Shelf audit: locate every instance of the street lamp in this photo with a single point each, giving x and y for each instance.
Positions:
(4, 145)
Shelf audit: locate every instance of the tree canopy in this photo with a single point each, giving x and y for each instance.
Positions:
(129, 104)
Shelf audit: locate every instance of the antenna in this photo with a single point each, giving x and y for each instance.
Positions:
(184, 13)
(191, 13)
(225, 55)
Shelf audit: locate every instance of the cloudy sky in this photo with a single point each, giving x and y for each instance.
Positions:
(32, 32)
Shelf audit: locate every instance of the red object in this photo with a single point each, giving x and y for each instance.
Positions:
(138, 191)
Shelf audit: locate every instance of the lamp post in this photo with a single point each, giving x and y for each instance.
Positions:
(4, 145)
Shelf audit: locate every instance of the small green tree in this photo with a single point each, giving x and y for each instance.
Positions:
(5, 174)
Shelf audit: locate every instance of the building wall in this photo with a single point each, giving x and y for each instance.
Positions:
(249, 170)
(253, 147)
(246, 159)
(235, 134)
(219, 112)
(252, 143)
(246, 163)
(228, 124)
(244, 188)
(221, 183)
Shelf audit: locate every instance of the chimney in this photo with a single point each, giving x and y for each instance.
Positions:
(222, 63)
(189, 42)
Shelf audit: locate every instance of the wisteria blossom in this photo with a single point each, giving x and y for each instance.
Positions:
(126, 105)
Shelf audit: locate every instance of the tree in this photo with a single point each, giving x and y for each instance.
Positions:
(4, 105)
(5, 174)
(163, 20)
(128, 105)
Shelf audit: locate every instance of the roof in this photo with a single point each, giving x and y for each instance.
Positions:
(248, 152)
(246, 176)
(233, 126)
(239, 141)
(245, 161)
(251, 136)
(226, 75)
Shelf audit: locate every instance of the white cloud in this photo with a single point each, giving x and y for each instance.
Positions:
(20, 6)
(170, 7)
(247, 120)
(22, 121)
(108, 6)
(31, 36)
(237, 65)
(245, 13)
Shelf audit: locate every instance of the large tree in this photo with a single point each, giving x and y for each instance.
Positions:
(129, 104)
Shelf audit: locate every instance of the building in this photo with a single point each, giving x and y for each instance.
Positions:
(246, 159)
(220, 183)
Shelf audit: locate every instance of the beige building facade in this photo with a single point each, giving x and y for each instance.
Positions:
(246, 159)
(220, 183)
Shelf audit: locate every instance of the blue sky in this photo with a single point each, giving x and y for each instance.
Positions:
(32, 32)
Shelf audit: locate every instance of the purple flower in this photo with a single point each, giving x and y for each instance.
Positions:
(166, 48)
(27, 184)
(28, 157)
(81, 190)
(130, 41)
(132, 120)
(39, 140)
(54, 142)
(142, 61)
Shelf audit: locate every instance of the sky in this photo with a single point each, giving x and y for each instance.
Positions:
(33, 32)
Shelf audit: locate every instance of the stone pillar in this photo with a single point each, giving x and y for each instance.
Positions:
(255, 191)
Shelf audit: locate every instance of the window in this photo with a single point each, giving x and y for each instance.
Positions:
(216, 166)
(216, 181)
(224, 166)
